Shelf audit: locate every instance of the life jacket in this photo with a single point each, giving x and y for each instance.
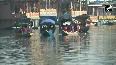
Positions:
(65, 28)
(24, 29)
(78, 27)
(72, 28)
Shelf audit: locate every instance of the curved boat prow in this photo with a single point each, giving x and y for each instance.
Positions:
(47, 33)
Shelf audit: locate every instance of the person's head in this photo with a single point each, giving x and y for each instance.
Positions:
(25, 26)
(66, 24)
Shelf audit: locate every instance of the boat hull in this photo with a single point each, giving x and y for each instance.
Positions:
(24, 35)
(64, 33)
(84, 29)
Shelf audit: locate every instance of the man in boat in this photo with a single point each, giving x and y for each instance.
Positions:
(29, 29)
(24, 30)
(65, 28)
(75, 27)
(50, 32)
(19, 30)
(45, 33)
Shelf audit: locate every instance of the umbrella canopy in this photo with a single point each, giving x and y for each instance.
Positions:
(48, 21)
(22, 24)
(82, 17)
(65, 20)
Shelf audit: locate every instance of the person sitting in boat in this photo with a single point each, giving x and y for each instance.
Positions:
(24, 30)
(19, 30)
(68, 28)
(84, 24)
(49, 27)
(50, 32)
(65, 28)
(75, 27)
(44, 28)
(45, 33)
(28, 29)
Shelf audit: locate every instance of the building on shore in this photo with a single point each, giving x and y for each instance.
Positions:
(96, 10)
(33, 8)
(6, 11)
(42, 8)
(74, 7)
(9, 13)
(11, 10)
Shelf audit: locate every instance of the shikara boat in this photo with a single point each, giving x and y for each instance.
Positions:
(84, 29)
(19, 31)
(47, 26)
(67, 27)
(24, 35)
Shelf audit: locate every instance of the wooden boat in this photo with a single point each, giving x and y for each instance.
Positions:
(84, 29)
(20, 33)
(45, 34)
(47, 25)
(66, 27)
(24, 35)
(65, 33)
(108, 23)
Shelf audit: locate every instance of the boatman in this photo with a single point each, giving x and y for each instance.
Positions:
(24, 30)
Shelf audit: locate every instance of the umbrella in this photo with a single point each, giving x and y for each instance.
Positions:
(48, 21)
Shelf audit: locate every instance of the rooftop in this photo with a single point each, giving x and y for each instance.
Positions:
(102, 3)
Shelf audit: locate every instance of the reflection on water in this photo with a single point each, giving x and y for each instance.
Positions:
(72, 49)
(13, 50)
(43, 50)
(97, 47)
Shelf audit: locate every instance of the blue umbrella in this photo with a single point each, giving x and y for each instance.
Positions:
(48, 21)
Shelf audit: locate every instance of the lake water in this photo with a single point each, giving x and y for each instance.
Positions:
(97, 47)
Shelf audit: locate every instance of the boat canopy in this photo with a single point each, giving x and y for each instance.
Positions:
(65, 20)
(48, 21)
(21, 24)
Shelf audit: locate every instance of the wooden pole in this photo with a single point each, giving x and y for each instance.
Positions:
(71, 8)
(80, 7)
(42, 5)
(39, 7)
(53, 4)
(49, 4)
(103, 13)
(25, 8)
(46, 4)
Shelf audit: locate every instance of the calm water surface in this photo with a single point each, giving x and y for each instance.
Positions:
(97, 47)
